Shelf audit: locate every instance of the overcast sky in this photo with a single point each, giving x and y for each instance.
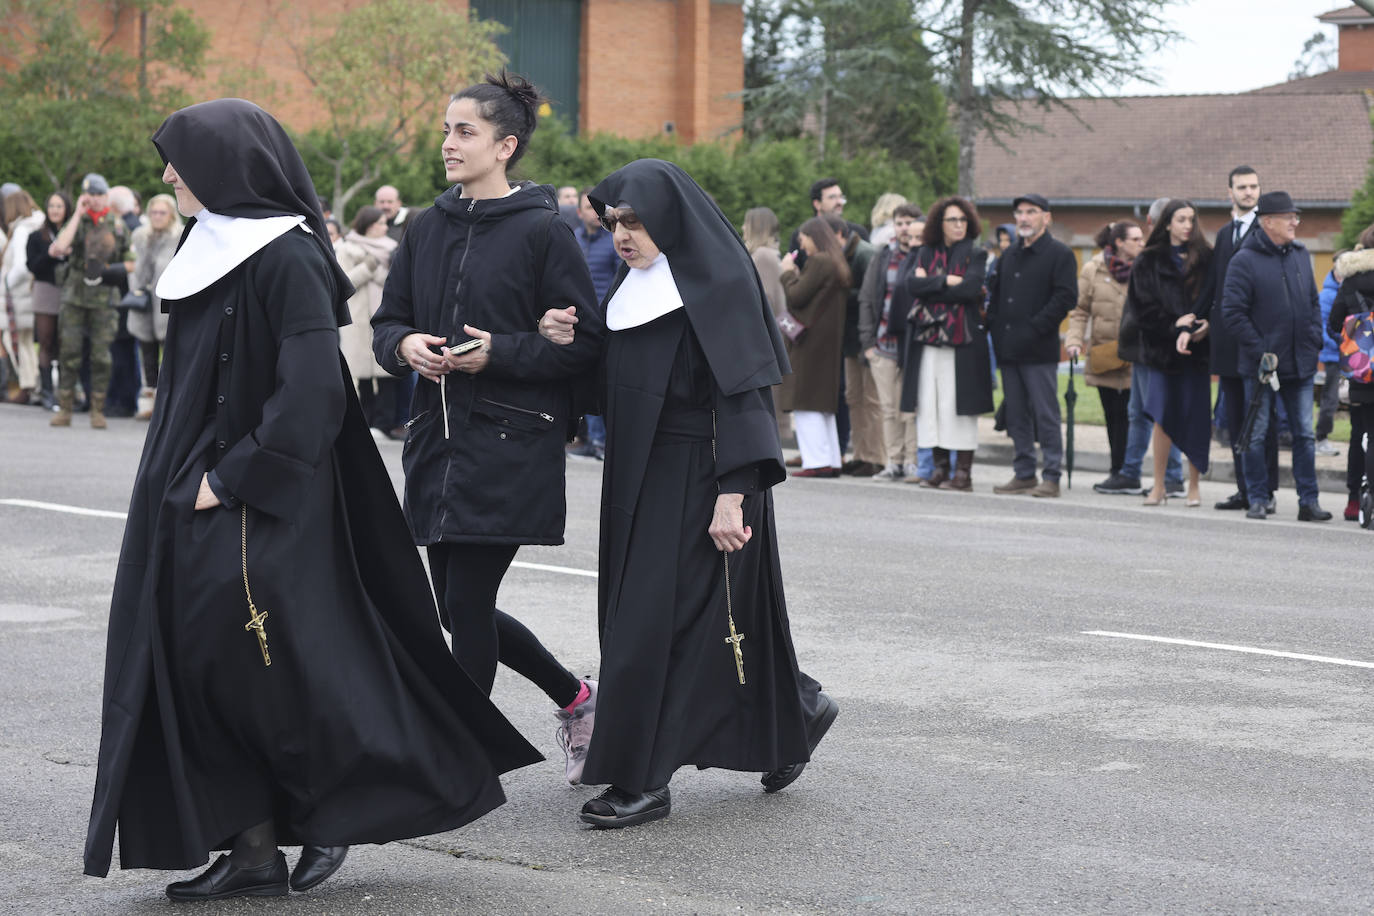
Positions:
(1234, 45)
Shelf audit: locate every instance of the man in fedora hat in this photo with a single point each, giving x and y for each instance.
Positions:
(1269, 305)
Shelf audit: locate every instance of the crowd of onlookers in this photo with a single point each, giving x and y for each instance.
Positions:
(899, 333)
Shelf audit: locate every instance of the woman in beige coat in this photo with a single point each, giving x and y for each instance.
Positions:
(365, 255)
(816, 296)
(1101, 295)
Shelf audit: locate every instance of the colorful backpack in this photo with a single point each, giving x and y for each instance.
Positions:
(1357, 345)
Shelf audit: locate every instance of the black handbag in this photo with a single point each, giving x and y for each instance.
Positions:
(137, 300)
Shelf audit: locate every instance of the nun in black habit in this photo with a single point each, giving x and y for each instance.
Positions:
(275, 668)
(689, 554)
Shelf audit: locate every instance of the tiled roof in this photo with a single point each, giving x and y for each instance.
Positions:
(1346, 15)
(1132, 150)
(1333, 81)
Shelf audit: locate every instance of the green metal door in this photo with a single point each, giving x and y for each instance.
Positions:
(542, 41)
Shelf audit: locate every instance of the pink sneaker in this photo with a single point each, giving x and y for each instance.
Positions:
(575, 734)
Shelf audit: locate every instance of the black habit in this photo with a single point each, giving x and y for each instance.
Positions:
(676, 436)
(363, 729)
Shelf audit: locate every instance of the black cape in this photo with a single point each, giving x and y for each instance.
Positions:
(363, 729)
(669, 694)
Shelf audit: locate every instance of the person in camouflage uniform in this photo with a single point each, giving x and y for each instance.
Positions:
(96, 244)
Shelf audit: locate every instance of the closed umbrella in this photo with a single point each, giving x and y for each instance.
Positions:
(1070, 399)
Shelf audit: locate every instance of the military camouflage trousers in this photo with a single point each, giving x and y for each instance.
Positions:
(78, 323)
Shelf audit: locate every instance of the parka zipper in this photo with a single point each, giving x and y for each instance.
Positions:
(547, 418)
(443, 381)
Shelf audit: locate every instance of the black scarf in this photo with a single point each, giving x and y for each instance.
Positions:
(715, 275)
(238, 161)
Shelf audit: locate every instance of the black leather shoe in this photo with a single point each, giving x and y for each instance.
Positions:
(1237, 500)
(1257, 511)
(315, 864)
(1311, 512)
(615, 808)
(224, 879)
(781, 778)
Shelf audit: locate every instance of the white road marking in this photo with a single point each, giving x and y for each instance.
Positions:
(1251, 650)
(103, 513)
(58, 507)
(566, 570)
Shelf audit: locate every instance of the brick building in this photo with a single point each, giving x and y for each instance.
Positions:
(1102, 159)
(630, 67)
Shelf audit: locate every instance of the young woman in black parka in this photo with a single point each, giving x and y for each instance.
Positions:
(1356, 296)
(484, 459)
(1167, 301)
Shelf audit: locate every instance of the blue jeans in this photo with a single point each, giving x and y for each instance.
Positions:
(925, 462)
(1138, 438)
(596, 430)
(1296, 396)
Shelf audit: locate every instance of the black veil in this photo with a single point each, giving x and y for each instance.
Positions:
(715, 276)
(238, 161)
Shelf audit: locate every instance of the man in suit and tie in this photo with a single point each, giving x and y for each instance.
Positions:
(1243, 186)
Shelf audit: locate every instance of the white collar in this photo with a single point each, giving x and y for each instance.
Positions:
(645, 294)
(216, 245)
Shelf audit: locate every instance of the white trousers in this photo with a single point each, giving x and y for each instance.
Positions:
(817, 438)
(938, 424)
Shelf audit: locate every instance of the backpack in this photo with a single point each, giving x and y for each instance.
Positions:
(1357, 344)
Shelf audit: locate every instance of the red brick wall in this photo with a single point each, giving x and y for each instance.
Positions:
(1356, 44)
(727, 68)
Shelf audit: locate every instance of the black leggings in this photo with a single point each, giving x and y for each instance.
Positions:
(1118, 423)
(466, 580)
(1358, 461)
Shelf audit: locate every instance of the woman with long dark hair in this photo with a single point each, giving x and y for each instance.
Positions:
(1094, 326)
(816, 297)
(484, 460)
(1167, 302)
(47, 293)
(946, 372)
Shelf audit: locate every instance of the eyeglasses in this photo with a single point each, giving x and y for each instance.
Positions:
(628, 219)
(956, 219)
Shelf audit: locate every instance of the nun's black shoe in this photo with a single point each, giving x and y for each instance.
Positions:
(615, 808)
(315, 864)
(224, 879)
(826, 711)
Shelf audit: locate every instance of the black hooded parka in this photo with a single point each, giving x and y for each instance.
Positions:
(494, 473)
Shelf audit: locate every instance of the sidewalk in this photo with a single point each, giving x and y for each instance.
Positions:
(1092, 458)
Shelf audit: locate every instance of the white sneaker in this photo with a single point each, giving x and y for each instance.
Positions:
(891, 472)
(575, 734)
(1326, 449)
(910, 470)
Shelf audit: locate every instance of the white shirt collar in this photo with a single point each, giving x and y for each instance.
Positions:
(216, 245)
(644, 294)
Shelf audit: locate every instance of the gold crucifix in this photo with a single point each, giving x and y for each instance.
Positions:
(736, 639)
(255, 617)
(254, 625)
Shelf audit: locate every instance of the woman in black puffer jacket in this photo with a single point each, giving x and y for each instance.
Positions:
(1166, 311)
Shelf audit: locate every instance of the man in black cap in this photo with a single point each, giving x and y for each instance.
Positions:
(1269, 306)
(1035, 286)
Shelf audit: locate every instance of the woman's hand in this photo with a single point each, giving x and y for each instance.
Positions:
(205, 497)
(1073, 351)
(1203, 327)
(953, 280)
(871, 353)
(415, 350)
(789, 261)
(557, 325)
(1185, 321)
(728, 531)
(473, 361)
(921, 272)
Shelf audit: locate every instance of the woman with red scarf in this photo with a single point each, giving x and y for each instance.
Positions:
(1101, 296)
(946, 370)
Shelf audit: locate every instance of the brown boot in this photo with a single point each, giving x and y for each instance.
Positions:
(963, 473)
(98, 411)
(63, 417)
(941, 473)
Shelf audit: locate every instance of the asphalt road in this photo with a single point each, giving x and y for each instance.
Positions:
(990, 756)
